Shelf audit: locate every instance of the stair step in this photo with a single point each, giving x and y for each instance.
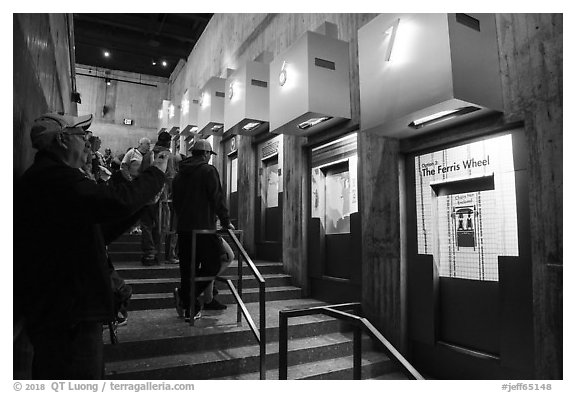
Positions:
(135, 270)
(162, 332)
(375, 365)
(118, 246)
(126, 238)
(234, 360)
(154, 285)
(249, 295)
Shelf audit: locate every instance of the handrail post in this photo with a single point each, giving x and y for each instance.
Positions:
(262, 290)
(240, 279)
(357, 352)
(283, 346)
(193, 278)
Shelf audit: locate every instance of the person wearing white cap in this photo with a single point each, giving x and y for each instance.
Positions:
(198, 199)
(63, 222)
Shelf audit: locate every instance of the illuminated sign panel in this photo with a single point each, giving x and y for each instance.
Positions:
(466, 208)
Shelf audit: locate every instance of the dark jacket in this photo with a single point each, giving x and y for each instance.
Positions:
(198, 196)
(62, 224)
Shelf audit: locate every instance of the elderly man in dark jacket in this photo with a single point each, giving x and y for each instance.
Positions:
(63, 222)
(198, 199)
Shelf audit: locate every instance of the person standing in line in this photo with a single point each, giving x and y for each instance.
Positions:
(149, 221)
(63, 222)
(108, 157)
(130, 164)
(198, 200)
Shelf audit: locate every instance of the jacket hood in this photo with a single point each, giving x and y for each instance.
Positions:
(191, 164)
(158, 149)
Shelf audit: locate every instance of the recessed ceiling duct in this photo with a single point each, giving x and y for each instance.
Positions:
(422, 72)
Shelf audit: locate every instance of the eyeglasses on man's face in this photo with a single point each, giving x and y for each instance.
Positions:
(76, 131)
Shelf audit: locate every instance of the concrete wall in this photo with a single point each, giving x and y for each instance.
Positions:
(531, 56)
(530, 49)
(129, 96)
(42, 77)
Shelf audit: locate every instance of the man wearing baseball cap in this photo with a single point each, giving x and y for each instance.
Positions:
(63, 222)
(198, 199)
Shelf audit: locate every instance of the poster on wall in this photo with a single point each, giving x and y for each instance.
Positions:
(234, 175)
(337, 202)
(335, 195)
(463, 223)
(270, 158)
(271, 185)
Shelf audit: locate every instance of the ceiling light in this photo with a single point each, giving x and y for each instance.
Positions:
(153, 62)
(106, 53)
(250, 126)
(441, 116)
(164, 63)
(313, 122)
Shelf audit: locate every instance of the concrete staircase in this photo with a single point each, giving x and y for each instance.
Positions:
(157, 344)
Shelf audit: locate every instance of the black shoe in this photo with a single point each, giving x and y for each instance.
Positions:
(178, 304)
(214, 305)
(121, 321)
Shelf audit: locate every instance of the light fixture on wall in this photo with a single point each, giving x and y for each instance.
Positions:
(441, 116)
(231, 91)
(312, 122)
(106, 53)
(251, 126)
(283, 74)
(391, 34)
(108, 82)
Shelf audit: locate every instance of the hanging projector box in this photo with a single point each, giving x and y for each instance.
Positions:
(309, 84)
(211, 109)
(421, 72)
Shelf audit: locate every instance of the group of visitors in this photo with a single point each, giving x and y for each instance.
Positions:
(63, 285)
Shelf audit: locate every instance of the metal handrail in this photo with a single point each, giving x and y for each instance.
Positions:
(241, 309)
(359, 323)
